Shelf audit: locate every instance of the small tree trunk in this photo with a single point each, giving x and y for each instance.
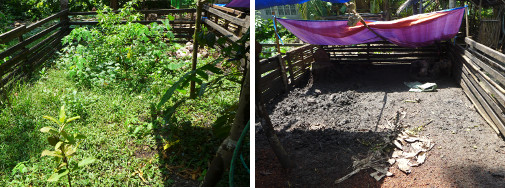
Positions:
(452, 3)
(199, 7)
(222, 160)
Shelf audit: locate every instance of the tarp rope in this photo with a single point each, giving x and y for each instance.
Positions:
(275, 29)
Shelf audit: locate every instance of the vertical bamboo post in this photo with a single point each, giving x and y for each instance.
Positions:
(276, 34)
(199, 7)
(466, 21)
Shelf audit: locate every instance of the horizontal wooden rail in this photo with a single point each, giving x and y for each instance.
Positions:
(12, 34)
(158, 11)
(232, 19)
(486, 50)
(141, 22)
(24, 43)
(221, 30)
(45, 20)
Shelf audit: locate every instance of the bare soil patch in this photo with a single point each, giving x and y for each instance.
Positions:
(326, 124)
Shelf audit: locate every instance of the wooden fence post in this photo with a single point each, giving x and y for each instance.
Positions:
(64, 17)
(114, 4)
(282, 66)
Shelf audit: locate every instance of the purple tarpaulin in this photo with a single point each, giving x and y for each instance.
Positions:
(239, 4)
(413, 31)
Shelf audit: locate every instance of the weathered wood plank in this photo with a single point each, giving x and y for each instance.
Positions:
(495, 74)
(221, 30)
(41, 56)
(144, 22)
(478, 105)
(16, 60)
(267, 66)
(12, 34)
(21, 45)
(486, 50)
(45, 20)
(486, 60)
(235, 12)
(158, 11)
(484, 100)
(232, 19)
(269, 84)
(272, 75)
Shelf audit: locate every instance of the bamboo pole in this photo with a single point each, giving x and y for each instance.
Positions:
(199, 7)
(466, 21)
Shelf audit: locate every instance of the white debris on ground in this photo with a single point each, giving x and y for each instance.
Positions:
(410, 150)
(187, 51)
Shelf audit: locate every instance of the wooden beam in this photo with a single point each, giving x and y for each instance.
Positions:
(486, 50)
(157, 11)
(12, 34)
(45, 20)
(232, 19)
(20, 45)
(221, 30)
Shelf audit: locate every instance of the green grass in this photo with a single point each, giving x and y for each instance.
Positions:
(110, 118)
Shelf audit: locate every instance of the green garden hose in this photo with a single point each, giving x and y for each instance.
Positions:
(235, 152)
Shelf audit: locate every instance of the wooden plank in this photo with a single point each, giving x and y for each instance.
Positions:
(45, 20)
(268, 84)
(386, 50)
(266, 66)
(21, 45)
(157, 11)
(12, 34)
(475, 67)
(282, 66)
(484, 100)
(495, 94)
(273, 75)
(486, 50)
(477, 105)
(9, 65)
(235, 12)
(43, 55)
(495, 74)
(232, 19)
(486, 60)
(271, 94)
(144, 22)
(221, 30)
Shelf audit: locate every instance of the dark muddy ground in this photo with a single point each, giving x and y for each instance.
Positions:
(327, 123)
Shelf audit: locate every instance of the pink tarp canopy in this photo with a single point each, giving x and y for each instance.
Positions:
(413, 31)
(239, 4)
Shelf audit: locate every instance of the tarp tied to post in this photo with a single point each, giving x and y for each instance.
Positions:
(261, 4)
(239, 4)
(413, 31)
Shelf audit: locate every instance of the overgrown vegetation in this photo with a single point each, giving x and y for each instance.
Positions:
(111, 75)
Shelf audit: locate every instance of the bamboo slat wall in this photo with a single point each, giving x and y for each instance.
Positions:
(480, 71)
(278, 74)
(382, 52)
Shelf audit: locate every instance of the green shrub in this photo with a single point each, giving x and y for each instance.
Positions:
(118, 54)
